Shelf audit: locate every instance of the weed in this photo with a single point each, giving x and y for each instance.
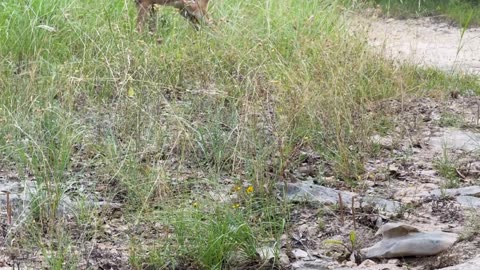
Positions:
(448, 119)
(350, 245)
(447, 169)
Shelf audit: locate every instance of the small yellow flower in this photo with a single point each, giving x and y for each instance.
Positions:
(238, 188)
(195, 204)
(236, 205)
(250, 189)
(130, 92)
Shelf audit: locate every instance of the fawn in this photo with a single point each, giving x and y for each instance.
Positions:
(193, 10)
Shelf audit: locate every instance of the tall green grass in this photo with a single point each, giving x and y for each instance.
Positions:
(86, 98)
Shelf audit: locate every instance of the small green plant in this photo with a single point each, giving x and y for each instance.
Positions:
(405, 210)
(446, 168)
(350, 246)
(448, 119)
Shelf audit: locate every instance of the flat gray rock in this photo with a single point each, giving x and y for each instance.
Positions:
(388, 206)
(308, 191)
(23, 192)
(466, 191)
(466, 196)
(317, 264)
(311, 192)
(20, 194)
(456, 139)
(383, 266)
(469, 202)
(401, 240)
(463, 191)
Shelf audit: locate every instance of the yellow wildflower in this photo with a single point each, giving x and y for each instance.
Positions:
(130, 92)
(235, 205)
(250, 189)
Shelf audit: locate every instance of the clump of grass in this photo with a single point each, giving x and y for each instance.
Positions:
(448, 119)
(447, 168)
(210, 236)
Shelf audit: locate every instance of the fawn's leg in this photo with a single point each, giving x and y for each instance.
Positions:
(143, 7)
(187, 15)
(152, 24)
(195, 13)
(201, 11)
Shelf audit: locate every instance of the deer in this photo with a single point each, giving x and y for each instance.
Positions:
(193, 10)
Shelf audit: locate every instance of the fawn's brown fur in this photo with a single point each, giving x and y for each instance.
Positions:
(193, 10)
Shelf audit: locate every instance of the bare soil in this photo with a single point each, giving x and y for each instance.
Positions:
(427, 42)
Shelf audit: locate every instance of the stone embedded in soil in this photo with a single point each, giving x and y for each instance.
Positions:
(388, 206)
(414, 193)
(473, 264)
(469, 202)
(266, 253)
(283, 259)
(470, 169)
(311, 192)
(317, 264)
(465, 191)
(368, 263)
(300, 254)
(20, 194)
(383, 266)
(455, 139)
(384, 142)
(466, 196)
(23, 192)
(401, 240)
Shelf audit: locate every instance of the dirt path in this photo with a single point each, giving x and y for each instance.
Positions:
(428, 43)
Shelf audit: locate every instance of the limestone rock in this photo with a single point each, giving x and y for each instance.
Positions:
(299, 254)
(456, 139)
(311, 192)
(266, 253)
(402, 240)
(469, 201)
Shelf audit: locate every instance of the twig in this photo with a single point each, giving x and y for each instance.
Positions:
(9, 208)
(340, 201)
(353, 214)
(478, 112)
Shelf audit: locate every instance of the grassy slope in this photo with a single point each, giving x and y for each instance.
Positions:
(91, 100)
(462, 12)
